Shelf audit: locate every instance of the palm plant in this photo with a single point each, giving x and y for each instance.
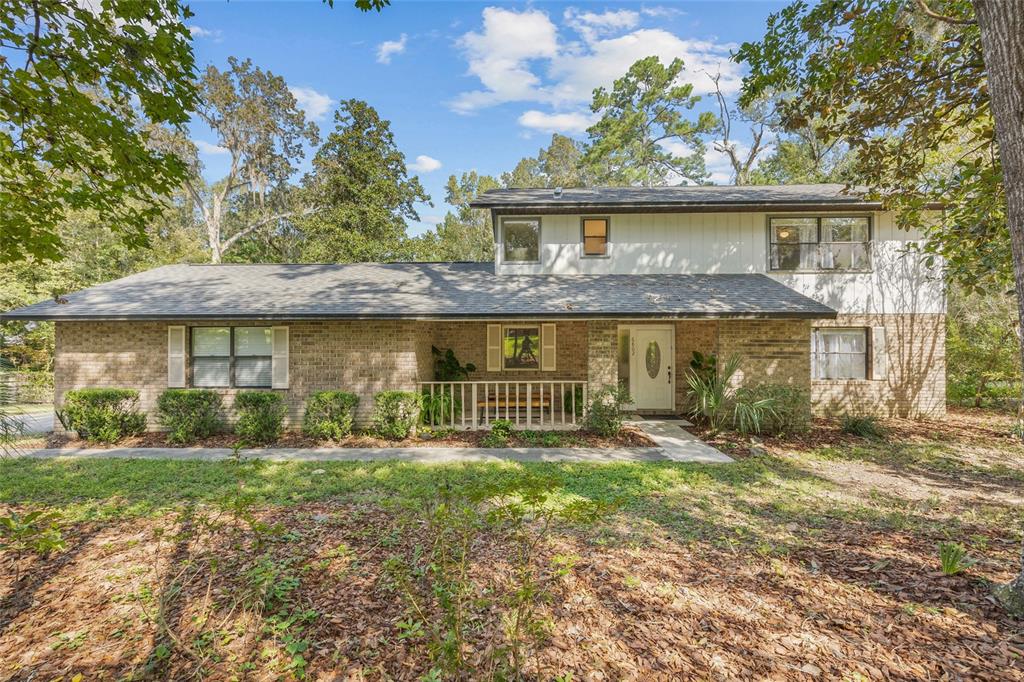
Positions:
(712, 392)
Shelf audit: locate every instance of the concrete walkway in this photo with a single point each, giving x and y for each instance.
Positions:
(678, 444)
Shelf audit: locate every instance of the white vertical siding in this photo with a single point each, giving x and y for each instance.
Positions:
(729, 243)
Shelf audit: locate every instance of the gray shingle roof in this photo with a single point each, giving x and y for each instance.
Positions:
(418, 291)
(683, 196)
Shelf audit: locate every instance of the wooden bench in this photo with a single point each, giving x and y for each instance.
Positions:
(512, 403)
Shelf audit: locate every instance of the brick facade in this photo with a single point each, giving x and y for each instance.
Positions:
(366, 357)
(914, 384)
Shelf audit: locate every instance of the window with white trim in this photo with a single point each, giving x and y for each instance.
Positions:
(839, 353)
(225, 357)
(814, 244)
(521, 346)
(521, 239)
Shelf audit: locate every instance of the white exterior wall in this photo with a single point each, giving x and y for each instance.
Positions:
(729, 243)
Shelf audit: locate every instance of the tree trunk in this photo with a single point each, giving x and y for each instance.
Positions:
(1002, 41)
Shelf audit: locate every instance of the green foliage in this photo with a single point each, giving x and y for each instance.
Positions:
(189, 414)
(448, 368)
(36, 531)
(643, 112)
(499, 435)
(560, 164)
(84, 84)
(783, 409)
(572, 401)
(604, 411)
(438, 406)
(864, 426)
(362, 190)
(102, 414)
(260, 416)
(982, 349)
(465, 234)
(11, 428)
(330, 415)
(840, 64)
(953, 558)
(395, 413)
(704, 366)
(711, 392)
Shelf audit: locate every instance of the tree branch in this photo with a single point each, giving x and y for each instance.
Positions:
(246, 231)
(929, 12)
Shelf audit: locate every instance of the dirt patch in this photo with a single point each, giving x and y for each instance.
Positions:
(849, 602)
(629, 437)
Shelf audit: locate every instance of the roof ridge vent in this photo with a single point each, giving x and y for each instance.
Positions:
(558, 192)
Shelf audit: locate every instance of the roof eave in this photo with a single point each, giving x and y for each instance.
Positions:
(510, 208)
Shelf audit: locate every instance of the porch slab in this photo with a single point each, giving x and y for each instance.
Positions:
(425, 455)
(678, 444)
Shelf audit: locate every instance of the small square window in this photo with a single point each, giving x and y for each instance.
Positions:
(595, 236)
(522, 239)
(521, 347)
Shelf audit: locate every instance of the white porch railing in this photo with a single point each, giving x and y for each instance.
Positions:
(550, 404)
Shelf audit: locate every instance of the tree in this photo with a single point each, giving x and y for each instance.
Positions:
(362, 191)
(982, 345)
(257, 120)
(560, 164)
(642, 136)
(760, 118)
(79, 82)
(467, 234)
(904, 83)
(803, 157)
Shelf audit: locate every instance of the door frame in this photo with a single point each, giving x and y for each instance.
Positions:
(671, 328)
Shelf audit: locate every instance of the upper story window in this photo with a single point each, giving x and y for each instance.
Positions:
(595, 236)
(223, 357)
(522, 239)
(813, 244)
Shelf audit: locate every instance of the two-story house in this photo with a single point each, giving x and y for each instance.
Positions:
(807, 285)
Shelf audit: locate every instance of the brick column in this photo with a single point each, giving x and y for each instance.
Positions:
(602, 354)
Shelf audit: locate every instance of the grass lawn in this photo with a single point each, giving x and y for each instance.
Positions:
(817, 560)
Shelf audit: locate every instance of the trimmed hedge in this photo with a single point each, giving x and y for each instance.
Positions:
(189, 413)
(102, 414)
(260, 416)
(329, 415)
(395, 413)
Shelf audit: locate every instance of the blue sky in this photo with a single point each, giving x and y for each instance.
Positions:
(469, 85)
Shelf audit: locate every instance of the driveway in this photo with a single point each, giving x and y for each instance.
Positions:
(36, 422)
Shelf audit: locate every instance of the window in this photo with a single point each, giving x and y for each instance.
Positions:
(521, 347)
(839, 353)
(595, 236)
(231, 356)
(522, 239)
(833, 243)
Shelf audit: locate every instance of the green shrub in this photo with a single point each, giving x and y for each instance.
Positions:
(573, 398)
(189, 413)
(499, 435)
(437, 409)
(953, 558)
(395, 413)
(329, 415)
(771, 409)
(711, 393)
(260, 416)
(865, 426)
(103, 414)
(604, 411)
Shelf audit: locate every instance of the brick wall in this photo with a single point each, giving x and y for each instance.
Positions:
(691, 335)
(771, 351)
(602, 353)
(914, 384)
(363, 357)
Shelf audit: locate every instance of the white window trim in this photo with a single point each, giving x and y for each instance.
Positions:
(231, 357)
(540, 239)
(538, 350)
(819, 218)
(868, 361)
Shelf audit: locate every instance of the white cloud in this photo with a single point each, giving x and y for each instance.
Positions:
(208, 148)
(315, 104)
(389, 48)
(660, 11)
(216, 35)
(591, 25)
(500, 56)
(518, 57)
(424, 164)
(566, 122)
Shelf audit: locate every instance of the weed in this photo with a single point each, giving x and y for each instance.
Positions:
(864, 426)
(953, 558)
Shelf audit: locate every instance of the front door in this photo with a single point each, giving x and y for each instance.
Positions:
(652, 353)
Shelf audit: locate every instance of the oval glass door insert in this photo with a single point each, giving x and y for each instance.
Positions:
(653, 359)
